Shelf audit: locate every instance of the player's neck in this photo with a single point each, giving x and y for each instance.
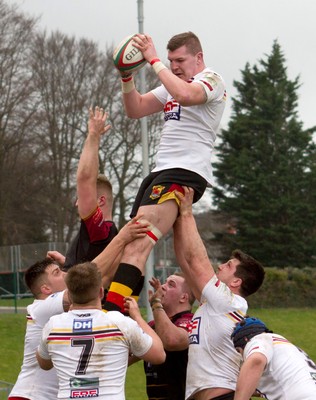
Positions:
(176, 310)
(107, 216)
(91, 306)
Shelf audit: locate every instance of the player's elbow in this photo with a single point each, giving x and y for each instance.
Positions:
(174, 344)
(175, 339)
(160, 357)
(156, 355)
(44, 363)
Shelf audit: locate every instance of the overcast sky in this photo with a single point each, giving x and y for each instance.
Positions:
(232, 32)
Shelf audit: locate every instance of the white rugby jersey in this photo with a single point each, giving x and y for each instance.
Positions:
(188, 135)
(289, 374)
(89, 349)
(213, 361)
(33, 382)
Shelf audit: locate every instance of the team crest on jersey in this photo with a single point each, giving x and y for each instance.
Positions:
(172, 110)
(194, 330)
(156, 192)
(82, 325)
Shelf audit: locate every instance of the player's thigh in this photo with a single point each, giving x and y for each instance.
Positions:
(162, 216)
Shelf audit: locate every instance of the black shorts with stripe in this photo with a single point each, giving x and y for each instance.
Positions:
(158, 187)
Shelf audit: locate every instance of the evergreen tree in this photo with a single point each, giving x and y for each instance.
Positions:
(266, 169)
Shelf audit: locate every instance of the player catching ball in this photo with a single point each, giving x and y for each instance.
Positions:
(192, 98)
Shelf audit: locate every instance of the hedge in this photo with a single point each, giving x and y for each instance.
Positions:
(288, 287)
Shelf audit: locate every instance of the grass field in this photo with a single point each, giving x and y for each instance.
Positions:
(297, 325)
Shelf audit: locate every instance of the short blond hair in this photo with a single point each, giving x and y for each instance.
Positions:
(104, 187)
(83, 282)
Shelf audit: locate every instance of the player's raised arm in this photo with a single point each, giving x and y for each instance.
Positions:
(128, 60)
(189, 247)
(88, 167)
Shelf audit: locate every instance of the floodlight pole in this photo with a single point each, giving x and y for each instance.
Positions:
(144, 133)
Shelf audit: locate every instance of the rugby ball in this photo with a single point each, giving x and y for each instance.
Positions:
(126, 57)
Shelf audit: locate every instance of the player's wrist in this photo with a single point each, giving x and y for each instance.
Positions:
(157, 65)
(127, 84)
(155, 300)
(186, 212)
(157, 307)
(154, 60)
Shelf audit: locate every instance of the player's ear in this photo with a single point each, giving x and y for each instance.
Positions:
(101, 201)
(184, 297)
(45, 289)
(236, 282)
(199, 57)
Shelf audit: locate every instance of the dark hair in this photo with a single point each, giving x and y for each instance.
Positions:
(250, 271)
(188, 39)
(36, 272)
(83, 282)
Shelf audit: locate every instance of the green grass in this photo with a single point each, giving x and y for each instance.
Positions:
(12, 331)
(297, 325)
(19, 302)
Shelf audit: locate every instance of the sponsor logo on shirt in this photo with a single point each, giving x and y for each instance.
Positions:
(82, 325)
(81, 394)
(83, 382)
(172, 110)
(84, 387)
(194, 331)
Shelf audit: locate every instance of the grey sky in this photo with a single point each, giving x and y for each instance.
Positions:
(232, 32)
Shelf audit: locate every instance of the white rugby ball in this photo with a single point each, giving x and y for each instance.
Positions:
(126, 57)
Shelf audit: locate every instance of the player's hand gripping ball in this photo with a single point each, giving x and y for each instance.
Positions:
(127, 58)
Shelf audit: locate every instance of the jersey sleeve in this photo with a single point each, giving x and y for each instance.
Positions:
(220, 298)
(262, 343)
(161, 94)
(45, 309)
(139, 341)
(42, 347)
(213, 85)
(97, 228)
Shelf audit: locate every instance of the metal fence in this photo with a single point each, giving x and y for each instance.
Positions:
(14, 260)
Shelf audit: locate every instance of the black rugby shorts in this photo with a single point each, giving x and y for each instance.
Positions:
(156, 186)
